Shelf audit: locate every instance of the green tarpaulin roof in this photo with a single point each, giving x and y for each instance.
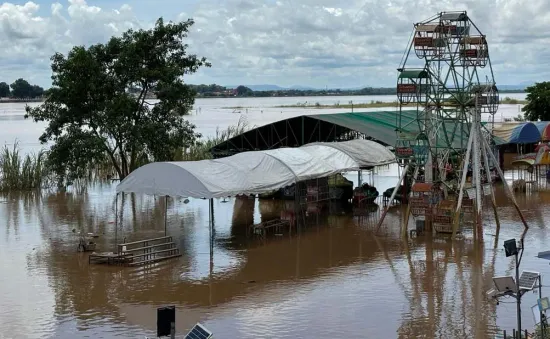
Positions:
(383, 125)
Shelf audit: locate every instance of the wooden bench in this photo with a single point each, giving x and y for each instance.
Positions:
(148, 250)
(138, 252)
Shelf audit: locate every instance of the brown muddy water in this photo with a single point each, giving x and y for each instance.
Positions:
(333, 279)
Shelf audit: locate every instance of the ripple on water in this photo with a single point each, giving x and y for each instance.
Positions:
(330, 282)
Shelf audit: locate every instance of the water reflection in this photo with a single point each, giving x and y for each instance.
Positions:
(333, 277)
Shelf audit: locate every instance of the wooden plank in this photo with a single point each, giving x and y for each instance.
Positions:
(145, 240)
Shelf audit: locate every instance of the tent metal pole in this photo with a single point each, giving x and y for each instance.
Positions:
(165, 214)
(116, 220)
(211, 223)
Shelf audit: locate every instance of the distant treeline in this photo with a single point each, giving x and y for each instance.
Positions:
(20, 89)
(213, 91)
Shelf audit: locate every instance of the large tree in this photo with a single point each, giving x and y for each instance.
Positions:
(21, 89)
(4, 90)
(538, 102)
(97, 106)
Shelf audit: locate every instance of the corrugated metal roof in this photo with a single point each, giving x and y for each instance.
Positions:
(413, 74)
(379, 125)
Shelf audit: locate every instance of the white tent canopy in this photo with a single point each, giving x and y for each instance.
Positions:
(254, 172)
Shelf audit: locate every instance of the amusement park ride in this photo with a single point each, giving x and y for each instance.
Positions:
(447, 78)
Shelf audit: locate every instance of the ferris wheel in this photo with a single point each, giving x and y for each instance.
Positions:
(445, 83)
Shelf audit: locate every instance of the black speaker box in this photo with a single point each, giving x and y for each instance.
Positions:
(165, 317)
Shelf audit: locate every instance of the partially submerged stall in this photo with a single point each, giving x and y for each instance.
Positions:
(515, 139)
(254, 172)
(249, 173)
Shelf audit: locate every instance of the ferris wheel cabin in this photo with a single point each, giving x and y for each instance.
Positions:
(474, 51)
(412, 85)
(427, 42)
(485, 97)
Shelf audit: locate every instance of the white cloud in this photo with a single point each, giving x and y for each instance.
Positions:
(307, 42)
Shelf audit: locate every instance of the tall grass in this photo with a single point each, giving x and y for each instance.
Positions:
(18, 172)
(201, 150)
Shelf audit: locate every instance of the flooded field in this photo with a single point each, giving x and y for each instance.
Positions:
(333, 279)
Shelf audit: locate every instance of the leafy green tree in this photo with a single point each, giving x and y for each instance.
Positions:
(538, 102)
(21, 89)
(36, 91)
(243, 91)
(97, 108)
(4, 90)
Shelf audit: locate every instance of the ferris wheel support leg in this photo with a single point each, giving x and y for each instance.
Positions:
(489, 180)
(477, 176)
(462, 183)
(405, 170)
(506, 186)
(404, 226)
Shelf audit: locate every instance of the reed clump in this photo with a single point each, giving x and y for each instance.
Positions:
(19, 173)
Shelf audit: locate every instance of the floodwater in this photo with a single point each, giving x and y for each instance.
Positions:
(332, 279)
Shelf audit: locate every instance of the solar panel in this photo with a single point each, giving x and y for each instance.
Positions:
(198, 332)
(505, 284)
(528, 279)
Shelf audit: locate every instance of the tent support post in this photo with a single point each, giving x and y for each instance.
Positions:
(392, 197)
(165, 214)
(116, 220)
(211, 226)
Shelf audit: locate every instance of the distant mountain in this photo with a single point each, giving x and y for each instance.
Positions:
(269, 87)
(304, 88)
(260, 87)
(513, 87)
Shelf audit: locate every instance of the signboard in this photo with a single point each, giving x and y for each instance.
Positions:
(404, 152)
(406, 88)
(469, 53)
(544, 304)
(424, 42)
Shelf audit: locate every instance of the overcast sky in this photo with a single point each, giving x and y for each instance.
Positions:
(316, 43)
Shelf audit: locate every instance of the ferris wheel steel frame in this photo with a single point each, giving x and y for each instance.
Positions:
(449, 95)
